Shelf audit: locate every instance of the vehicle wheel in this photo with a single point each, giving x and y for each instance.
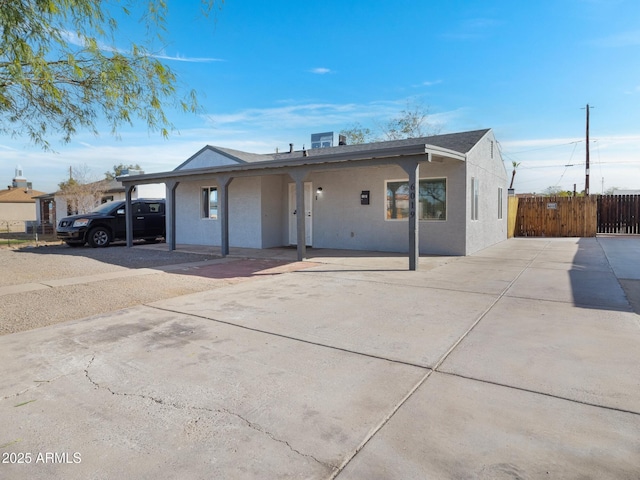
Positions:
(74, 244)
(99, 237)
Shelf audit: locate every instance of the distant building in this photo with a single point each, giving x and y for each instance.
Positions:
(618, 191)
(17, 203)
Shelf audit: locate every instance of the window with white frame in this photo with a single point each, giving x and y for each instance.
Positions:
(432, 199)
(474, 198)
(499, 203)
(209, 202)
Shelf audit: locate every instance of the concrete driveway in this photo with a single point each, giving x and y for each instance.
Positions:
(519, 362)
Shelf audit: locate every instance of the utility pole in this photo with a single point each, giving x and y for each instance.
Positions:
(586, 178)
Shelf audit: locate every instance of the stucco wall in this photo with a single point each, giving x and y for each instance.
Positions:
(491, 173)
(244, 214)
(340, 221)
(272, 210)
(13, 216)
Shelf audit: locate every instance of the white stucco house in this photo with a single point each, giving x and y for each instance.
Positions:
(51, 207)
(444, 194)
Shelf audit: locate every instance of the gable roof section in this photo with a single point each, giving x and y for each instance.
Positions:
(18, 195)
(216, 157)
(460, 143)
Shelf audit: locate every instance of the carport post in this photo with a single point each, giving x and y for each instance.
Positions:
(170, 226)
(413, 169)
(129, 214)
(223, 212)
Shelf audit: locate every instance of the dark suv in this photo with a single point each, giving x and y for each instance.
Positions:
(106, 223)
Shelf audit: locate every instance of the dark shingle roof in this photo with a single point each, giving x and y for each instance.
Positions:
(458, 142)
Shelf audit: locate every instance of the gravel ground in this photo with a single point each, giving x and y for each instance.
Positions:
(25, 311)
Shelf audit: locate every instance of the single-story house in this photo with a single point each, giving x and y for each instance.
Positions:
(17, 204)
(443, 194)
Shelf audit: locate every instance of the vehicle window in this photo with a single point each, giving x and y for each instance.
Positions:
(155, 207)
(139, 208)
(105, 208)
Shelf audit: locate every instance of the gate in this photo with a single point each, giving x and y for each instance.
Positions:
(556, 217)
(619, 214)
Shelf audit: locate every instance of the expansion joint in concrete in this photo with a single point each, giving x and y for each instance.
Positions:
(537, 392)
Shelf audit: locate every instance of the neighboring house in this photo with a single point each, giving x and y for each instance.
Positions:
(361, 197)
(52, 207)
(17, 204)
(619, 191)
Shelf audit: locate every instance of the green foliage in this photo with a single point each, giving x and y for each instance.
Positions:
(515, 165)
(357, 134)
(68, 185)
(117, 170)
(61, 68)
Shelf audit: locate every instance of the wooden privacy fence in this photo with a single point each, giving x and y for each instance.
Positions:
(619, 214)
(556, 217)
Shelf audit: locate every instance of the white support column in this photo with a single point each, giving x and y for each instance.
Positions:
(299, 177)
(128, 213)
(223, 212)
(170, 212)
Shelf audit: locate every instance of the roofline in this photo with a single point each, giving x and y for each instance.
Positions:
(208, 147)
(317, 160)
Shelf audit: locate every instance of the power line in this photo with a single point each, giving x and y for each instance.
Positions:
(546, 148)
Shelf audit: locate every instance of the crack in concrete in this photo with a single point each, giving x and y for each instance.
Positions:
(250, 424)
(39, 383)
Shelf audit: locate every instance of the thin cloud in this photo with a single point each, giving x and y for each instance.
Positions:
(74, 39)
(180, 58)
(473, 29)
(320, 71)
(622, 39)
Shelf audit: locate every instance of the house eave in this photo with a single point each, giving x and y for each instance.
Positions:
(315, 159)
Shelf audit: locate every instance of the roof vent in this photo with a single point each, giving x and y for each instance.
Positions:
(291, 148)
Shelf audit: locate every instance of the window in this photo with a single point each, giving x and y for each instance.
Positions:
(209, 202)
(432, 199)
(156, 207)
(499, 203)
(474, 198)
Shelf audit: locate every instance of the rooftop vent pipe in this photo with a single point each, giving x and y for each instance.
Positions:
(291, 148)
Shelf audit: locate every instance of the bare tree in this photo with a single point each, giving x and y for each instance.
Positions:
(82, 191)
(411, 122)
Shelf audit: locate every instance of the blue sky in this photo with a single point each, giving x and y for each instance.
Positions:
(270, 73)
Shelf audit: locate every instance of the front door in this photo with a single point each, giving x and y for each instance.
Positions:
(293, 214)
